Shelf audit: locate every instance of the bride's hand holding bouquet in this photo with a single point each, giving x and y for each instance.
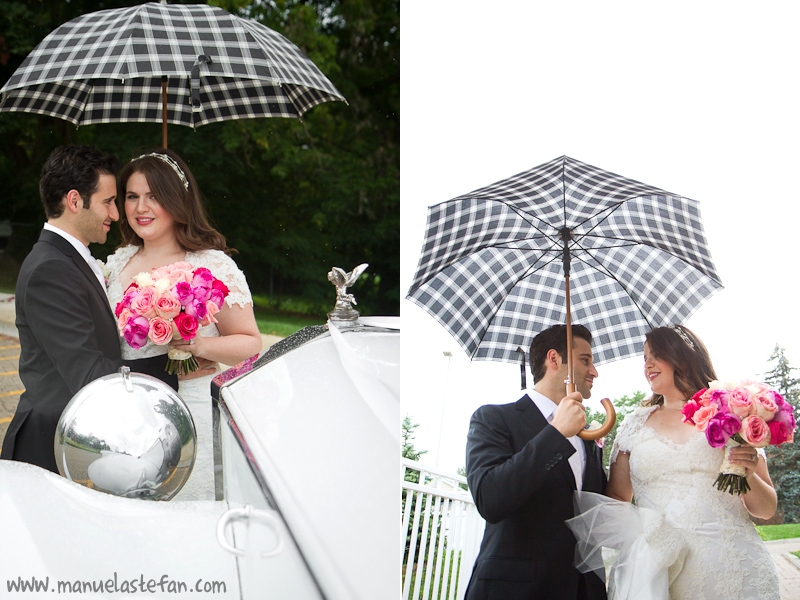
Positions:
(733, 414)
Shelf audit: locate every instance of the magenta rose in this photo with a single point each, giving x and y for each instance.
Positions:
(730, 423)
(197, 309)
(217, 297)
(135, 331)
(785, 415)
(688, 411)
(186, 326)
(740, 403)
(201, 292)
(144, 302)
(720, 399)
(755, 431)
(779, 432)
(221, 288)
(160, 331)
(183, 293)
(715, 433)
(167, 306)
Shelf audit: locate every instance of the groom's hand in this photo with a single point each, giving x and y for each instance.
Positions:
(570, 416)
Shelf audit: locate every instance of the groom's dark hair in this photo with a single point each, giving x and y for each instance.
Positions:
(553, 338)
(73, 167)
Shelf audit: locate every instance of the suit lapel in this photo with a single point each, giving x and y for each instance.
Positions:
(66, 248)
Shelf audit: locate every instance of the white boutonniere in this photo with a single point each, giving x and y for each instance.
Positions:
(595, 425)
(103, 270)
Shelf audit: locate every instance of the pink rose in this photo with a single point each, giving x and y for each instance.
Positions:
(183, 293)
(201, 293)
(703, 397)
(122, 318)
(688, 411)
(143, 303)
(135, 331)
(740, 403)
(216, 297)
(202, 276)
(765, 404)
(186, 326)
(703, 415)
(755, 431)
(167, 306)
(211, 310)
(160, 331)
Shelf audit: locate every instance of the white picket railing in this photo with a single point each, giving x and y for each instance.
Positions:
(439, 556)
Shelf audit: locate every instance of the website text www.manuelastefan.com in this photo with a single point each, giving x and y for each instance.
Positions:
(142, 585)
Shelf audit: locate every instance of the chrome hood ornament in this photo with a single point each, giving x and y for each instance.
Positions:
(343, 312)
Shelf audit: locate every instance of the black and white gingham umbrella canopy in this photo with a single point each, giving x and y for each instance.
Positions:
(107, 67)
(491, 270)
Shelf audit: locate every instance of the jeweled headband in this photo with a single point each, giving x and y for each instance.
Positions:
(683, 335)
(171, 163)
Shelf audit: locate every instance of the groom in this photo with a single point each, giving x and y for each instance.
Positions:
(524, 463)
(67, 331)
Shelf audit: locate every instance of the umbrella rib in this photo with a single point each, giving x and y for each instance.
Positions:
(605, 270)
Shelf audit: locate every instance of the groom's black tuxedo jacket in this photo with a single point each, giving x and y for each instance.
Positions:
(68, 338)
(522, 483)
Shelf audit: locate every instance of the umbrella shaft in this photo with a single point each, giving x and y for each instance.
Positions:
(571, 387)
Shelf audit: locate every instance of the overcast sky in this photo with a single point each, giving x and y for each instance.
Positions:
(696, 98)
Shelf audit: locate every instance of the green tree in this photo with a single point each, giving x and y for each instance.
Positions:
(294, 197)
(408, 449)
(622, 406)
(784, 460)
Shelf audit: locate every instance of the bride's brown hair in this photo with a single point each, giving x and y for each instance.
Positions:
(182, 201)
(687, 356)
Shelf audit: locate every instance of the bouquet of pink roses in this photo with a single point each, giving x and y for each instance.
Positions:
(169, 303)
(732, 414)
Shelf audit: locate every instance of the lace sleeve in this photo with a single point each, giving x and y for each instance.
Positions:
(117, 261)
(632, 424)
(223, 268)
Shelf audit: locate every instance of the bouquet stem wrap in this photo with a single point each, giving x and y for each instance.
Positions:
(732, 477)
(180, 362)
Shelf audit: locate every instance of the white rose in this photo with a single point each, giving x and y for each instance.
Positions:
(143, 279)
(162, 285)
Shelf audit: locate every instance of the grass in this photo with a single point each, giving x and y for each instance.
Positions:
(769, 533)
(275, 323)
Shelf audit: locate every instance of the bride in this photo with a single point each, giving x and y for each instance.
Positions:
(692, 541)
(162, 221)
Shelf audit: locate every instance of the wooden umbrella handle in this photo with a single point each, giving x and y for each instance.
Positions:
(611, 418)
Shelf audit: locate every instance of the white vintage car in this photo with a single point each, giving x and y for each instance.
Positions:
(310, 456)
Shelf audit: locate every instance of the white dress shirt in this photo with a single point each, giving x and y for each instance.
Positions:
(578, 460)
(83, 250)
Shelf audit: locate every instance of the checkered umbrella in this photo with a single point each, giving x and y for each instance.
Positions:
(123, 65)
(492, 270)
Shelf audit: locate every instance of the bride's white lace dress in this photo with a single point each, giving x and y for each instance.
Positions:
(195, 392)
(702, 537)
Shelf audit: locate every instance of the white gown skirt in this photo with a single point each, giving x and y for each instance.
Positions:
(196, 393)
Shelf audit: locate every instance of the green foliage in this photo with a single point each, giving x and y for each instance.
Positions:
(622, 406)
(784, 461)
(769, 533)
(294, 197)
(408, 449)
